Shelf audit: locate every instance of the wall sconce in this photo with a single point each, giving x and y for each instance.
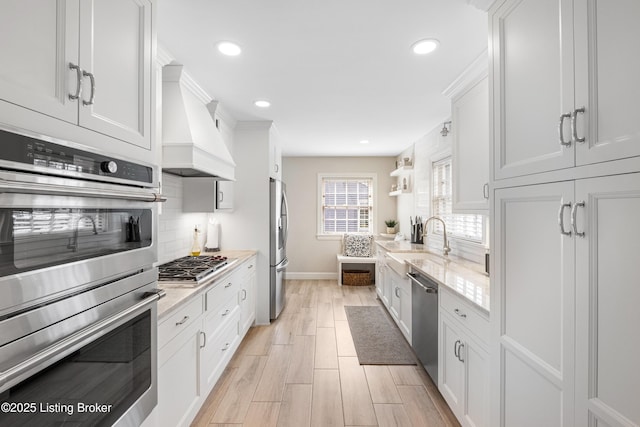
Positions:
(445, 130)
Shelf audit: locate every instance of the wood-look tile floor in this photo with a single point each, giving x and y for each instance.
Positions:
(302, 370)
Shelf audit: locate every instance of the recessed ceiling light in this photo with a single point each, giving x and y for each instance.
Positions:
(422, 47)
(262, 103)
(229, 48)
(364, 141)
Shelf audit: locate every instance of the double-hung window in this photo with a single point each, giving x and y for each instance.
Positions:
(346, 204)
(465, 226)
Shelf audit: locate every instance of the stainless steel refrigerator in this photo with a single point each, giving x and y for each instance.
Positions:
(278, 261)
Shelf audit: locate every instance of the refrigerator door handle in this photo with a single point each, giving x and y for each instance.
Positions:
(280, 267)
(286, 222)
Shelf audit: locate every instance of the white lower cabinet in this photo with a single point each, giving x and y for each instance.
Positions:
(463, 367)
(400, 307)
(179, 392)
(197, 342)
(248, 289)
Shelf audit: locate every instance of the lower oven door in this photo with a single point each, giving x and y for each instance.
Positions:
(102, 374)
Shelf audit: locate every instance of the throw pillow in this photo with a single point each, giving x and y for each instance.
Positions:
(358, 245)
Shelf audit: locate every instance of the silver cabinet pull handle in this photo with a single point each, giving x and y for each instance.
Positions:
(221, 198)
(460, 348)
(485, 190)
(561, 129)
(574, 131)
(244, 294)
(459, 313)
(225, 313)
(228, 285)
(561, 219)
(574, 213)
(226, 347)
(182, 322)
(396, 291)
(456, 349)
(204, 337)
(76, 95)
(250, 266)
(93, 88)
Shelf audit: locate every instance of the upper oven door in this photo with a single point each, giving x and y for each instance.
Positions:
(55, 244)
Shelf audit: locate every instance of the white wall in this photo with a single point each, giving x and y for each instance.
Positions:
(309, 256)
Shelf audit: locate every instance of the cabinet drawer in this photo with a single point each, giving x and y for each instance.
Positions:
(466, 314)
(221, 343)
(222, 291)
(179, 321)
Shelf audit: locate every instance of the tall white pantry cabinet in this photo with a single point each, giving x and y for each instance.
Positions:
(565, 132)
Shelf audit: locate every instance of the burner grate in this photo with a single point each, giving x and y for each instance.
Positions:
(191, 268)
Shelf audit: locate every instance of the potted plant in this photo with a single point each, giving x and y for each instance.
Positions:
(391, 226)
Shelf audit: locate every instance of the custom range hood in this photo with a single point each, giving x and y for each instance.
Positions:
(191, 143)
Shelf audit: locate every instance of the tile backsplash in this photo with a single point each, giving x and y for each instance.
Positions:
(175, 228)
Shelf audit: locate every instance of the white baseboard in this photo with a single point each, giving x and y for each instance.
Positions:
(292, 275)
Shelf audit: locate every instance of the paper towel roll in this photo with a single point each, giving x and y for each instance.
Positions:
(213, 237)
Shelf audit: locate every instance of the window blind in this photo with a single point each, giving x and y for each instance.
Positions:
(347, 205)
(466, 226)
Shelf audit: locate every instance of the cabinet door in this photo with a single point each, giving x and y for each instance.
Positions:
(532, 307)
(248, 298)
(224, 199)
(405, 308)
(476, 402)
(387, 289)
(40, 40)
(607, 317)
(394, 309)
(607, 85)
(115, 47)
(450, 368)
(470, 154)
(178, 379)
(532, 51)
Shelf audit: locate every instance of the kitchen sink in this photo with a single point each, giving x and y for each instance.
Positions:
(397, 260)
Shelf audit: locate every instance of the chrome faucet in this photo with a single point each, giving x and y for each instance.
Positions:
(73, 244)
(445, 248)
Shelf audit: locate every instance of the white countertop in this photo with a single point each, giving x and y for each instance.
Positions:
(176, 295)
(459, 275)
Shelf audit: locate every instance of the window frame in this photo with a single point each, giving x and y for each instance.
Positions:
(436, 227)
(320, 234)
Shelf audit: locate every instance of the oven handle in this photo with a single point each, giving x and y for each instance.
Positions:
(68, 345)
(7, 186)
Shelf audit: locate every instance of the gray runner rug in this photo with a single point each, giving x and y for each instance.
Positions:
(377, 339)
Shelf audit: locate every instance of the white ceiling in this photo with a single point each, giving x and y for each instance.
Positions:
(335, 71)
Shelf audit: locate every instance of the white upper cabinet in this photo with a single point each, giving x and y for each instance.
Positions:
(40, 40)
(565, 84)
(470, 150)
(275, 155)
(115, 54)
(532, 68)
(607, 66)
(73, 65)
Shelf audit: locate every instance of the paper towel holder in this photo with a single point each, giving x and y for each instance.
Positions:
(213, 237)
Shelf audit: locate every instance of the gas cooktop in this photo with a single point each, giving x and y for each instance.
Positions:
(194, 270)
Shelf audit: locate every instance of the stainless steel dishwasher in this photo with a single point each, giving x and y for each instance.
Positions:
(424, 322)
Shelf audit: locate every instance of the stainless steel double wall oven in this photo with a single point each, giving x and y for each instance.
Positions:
(77, 285)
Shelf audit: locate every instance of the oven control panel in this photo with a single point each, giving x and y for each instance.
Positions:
(22, 152)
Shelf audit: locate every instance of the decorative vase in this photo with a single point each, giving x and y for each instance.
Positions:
(391, 230)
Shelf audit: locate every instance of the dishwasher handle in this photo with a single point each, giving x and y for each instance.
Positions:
(427, 289)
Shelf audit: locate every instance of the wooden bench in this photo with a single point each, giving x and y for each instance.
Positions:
(343, 259)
